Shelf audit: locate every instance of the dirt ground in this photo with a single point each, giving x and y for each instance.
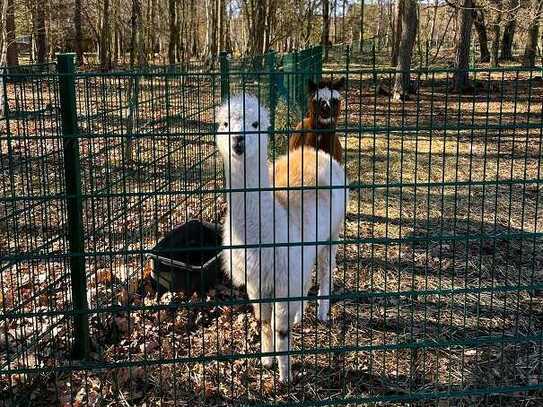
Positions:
(438, 294)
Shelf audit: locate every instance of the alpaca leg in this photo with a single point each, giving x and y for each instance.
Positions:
(300, 314)
(263, 313)
(282, 324)
(327, 264)
(266, 338)
(309, 261)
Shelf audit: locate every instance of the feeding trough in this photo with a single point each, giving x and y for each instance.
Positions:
(187, 258)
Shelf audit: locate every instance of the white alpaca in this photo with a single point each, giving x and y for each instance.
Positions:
(260, 217)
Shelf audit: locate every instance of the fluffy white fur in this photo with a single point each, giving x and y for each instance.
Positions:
(258, 218)
(326, 94)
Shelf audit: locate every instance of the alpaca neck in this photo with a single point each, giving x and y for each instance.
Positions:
(248, 209)
(330, 124)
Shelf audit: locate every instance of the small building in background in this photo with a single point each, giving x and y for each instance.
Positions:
(24, 44)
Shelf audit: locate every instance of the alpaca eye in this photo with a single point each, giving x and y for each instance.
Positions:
(225, 124)
(255, 125)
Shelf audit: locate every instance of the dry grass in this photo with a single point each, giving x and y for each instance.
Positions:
(441, 294)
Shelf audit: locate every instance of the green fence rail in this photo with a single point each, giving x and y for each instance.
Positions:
(438, 293)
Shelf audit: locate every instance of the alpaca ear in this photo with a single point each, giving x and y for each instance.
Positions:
(311, 86)
(339, 84)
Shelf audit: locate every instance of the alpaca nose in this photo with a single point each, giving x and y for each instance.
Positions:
(238, 145)
(324, 109)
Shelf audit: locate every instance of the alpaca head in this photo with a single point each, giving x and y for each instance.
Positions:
(324, 99)
(242, 133)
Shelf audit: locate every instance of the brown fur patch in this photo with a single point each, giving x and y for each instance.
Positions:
(298, 168)
(329, 143)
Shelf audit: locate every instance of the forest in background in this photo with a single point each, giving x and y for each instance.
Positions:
(113, 33)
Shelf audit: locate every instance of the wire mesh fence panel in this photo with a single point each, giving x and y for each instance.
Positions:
(34, 272)
(438, 288)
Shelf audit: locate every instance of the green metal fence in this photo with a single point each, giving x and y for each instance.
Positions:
(438, 293)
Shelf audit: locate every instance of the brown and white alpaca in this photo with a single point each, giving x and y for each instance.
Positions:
(318, 128)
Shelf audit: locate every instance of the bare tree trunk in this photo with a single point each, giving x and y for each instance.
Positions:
(152, 32)
(116, 51)
(269, 24)
(379, 35)
(12, 51)
(121, 46)
(528, 59)
(209, 29)
(182, 15)
(461, 75)
(343, 8)
(334, 6)
(530, 51)
(133, 31)
(4, 36)
(220, 25)
(172, 45)
(325, 34)
(78, 34)
(256, 17)
(397, 33)
(105, 39)
(39, 32)
(309, 25)
(228, 40)
(495, 32)
(194, 43)
(507, 41)
(137, 53)
(361, 29)
(390, 38)
(480, 27)
(402, 82)
(3, 56)
(434, 21)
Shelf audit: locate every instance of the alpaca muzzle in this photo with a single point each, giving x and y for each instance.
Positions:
(238, 145)
(324, 110)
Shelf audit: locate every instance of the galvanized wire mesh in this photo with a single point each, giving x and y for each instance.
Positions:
(438, 291)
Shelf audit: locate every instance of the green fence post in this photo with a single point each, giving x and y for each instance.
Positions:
(225, 84)
(72, 172)
(270, 66)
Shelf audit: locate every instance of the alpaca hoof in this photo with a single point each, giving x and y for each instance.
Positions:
(267, 361)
